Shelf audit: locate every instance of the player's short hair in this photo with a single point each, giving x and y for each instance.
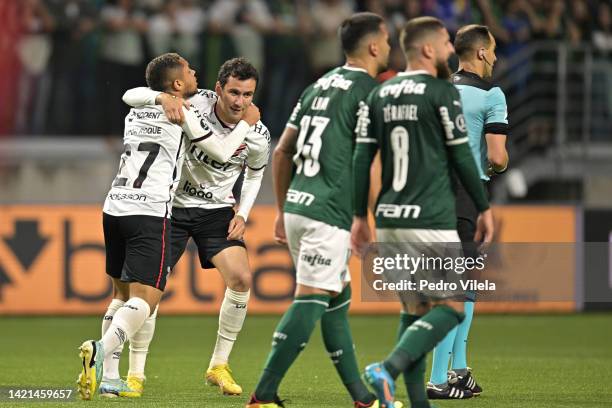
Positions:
(416, 29)
(470, 38)
(239, 68)
(356, 27)
(159, 70)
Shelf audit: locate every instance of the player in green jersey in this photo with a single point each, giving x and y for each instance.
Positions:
(416, 121)
(312, 183)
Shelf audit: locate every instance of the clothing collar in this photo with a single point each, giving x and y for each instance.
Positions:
(415, 72)
(354, 68)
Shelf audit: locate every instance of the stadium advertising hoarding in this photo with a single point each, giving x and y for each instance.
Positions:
(52, 262)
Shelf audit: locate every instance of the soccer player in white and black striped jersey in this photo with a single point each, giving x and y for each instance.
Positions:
(204, 205)
(136, 213)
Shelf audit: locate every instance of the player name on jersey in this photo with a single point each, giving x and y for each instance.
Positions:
(400, 112)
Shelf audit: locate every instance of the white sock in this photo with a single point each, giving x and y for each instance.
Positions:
(231, 318)
(139, 346)
(126, 321)
(111, 361)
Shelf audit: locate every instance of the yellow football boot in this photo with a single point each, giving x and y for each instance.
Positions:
(221, 376)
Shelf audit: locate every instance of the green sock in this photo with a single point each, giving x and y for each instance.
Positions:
(290, 337)
(421, 337)
(414, 376)
(339, 344)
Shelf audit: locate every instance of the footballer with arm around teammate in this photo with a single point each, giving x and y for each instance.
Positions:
(314, 210)
(486, 119)
(416, 121)
(203, 208)
(135, 220)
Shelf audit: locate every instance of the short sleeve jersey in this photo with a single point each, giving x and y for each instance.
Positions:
(414, 118)
(485, 110)
(325, 117)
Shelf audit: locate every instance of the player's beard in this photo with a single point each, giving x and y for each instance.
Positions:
(444, 71)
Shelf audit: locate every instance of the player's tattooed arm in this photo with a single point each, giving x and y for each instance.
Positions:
(282, 169)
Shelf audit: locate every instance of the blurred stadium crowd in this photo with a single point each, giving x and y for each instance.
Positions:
(66, 63)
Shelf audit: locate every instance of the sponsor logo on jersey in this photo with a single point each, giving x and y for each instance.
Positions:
(406, 87)
(333, 81)
(193, 191)
(203, 157)
(398, 211)
(147, 115)
(363, 119)
(299, 197)
(204, 125)
(127, 196)
(317, 259)
(207, 93)
(144, 131)
(460, 123)
(447, 123)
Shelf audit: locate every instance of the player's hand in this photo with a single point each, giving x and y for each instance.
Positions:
(173, 107)
(360, 235)
(280, 236)
(484, 228)
(236, 228)
(251, 114)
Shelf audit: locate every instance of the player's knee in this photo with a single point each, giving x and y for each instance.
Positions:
(121, 290)
(240, 282)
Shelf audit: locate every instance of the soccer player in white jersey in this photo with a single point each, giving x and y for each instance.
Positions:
(203, 208)
(136, 212)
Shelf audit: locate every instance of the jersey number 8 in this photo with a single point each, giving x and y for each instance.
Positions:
(400, 147)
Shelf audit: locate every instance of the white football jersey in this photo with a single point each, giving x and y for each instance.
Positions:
(206, 183)
(150, 165)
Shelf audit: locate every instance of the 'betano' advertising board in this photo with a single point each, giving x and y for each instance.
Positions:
(52, 262)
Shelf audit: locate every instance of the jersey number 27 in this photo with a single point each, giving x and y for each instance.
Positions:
(153, 149)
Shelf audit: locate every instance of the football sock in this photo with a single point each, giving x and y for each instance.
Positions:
(441, 358)
(290, 337)
(414, 377)
(460, 346)
(461, 371)
(111, 361)
(139, 346)
(126, 322)
(339, 344)
(421, 337)
(231, 318)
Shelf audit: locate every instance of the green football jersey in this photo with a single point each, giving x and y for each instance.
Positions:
(415, 120)
(326, 116)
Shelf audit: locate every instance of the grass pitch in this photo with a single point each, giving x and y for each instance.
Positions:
(521, 361)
